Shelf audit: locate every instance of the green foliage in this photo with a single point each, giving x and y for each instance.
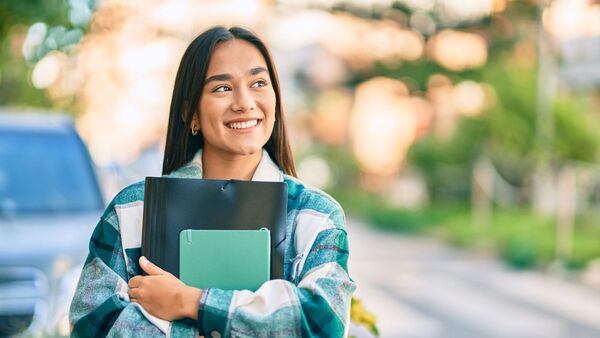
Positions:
(414, 74)
(16, 16)
(27, 12)
(507, 132)
(511, 140)
(386, 217)
(447, 164)
(576, 130)
(507, 135)
(520, 237)
(16, 88)
(377, 210)
(585, 243)
(341, 161)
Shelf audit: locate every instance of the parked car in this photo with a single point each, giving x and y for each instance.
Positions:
(50, 202)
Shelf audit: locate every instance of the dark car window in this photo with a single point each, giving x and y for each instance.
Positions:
(43, 172)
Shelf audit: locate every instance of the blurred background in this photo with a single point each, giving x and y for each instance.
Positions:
(460, 136)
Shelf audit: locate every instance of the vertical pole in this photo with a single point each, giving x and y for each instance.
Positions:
(565, 212)
(546, 88)
(482, 191)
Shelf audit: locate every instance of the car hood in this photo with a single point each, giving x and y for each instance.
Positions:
(38, 241)
(40, 262)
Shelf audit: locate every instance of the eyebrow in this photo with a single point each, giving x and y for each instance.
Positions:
(226, 77)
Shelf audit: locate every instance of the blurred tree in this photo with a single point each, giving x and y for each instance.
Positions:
(507, 135)
(447, 164)
(15, 72)
(64, 23)
(506, 132)
(26, 12)
(577, 136)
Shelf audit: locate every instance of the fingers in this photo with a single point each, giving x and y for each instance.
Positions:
(134, 294)
(134, 288)
(135, 282)
(149, 267)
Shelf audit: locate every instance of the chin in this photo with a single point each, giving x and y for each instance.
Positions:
(248, 150)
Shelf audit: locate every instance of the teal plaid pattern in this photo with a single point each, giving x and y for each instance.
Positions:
(312, 300)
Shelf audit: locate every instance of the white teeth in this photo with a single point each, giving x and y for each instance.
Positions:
(243, 125)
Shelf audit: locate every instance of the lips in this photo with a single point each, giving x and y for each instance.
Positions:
(243, 124)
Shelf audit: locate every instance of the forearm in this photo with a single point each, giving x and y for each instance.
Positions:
(278, 308)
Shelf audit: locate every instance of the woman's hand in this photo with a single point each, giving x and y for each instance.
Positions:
(162, 294)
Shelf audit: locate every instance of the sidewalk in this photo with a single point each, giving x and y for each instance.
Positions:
(420, 287)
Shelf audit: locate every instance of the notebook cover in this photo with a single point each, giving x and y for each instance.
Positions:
(224, 259)
(175, 204)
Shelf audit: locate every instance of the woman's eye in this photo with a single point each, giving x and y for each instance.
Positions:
(221, 89)
(259, 83)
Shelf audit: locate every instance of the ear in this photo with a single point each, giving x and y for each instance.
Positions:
(195, 115)
(196, 119)
(185, 111)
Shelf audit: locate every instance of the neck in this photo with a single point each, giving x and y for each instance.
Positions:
(232, 167)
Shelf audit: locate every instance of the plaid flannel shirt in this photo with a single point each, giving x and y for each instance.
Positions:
(312, 300)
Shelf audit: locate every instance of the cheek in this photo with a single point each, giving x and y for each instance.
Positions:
(268, 102)
(209, 115)
(270, 117)
(269, 127)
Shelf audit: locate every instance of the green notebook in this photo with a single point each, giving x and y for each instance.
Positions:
(225, 259)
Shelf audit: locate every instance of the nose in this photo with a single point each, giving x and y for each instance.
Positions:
(243, 101)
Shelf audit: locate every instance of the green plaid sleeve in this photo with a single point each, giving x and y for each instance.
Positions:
(315, 303)
(101, 306)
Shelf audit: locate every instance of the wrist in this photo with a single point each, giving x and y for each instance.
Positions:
(191, 299)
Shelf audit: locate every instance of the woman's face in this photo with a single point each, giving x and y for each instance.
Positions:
(237, 108)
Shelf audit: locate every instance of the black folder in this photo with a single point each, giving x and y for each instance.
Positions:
(175, 204)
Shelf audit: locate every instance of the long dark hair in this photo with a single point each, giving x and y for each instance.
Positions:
(181, 145)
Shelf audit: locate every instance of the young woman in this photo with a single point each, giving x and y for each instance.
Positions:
(226, 122)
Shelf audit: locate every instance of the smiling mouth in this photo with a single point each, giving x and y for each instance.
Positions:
(244, 125)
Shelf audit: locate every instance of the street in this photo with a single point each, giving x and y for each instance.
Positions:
(420, 287)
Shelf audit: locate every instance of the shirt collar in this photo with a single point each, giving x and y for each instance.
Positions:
(267, 170)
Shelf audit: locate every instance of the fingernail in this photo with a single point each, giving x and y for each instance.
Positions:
(143, 260)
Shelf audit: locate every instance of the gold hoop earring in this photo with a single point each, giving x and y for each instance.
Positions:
(195, 131)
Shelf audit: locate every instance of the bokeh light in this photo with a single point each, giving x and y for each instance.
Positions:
(383, 125)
